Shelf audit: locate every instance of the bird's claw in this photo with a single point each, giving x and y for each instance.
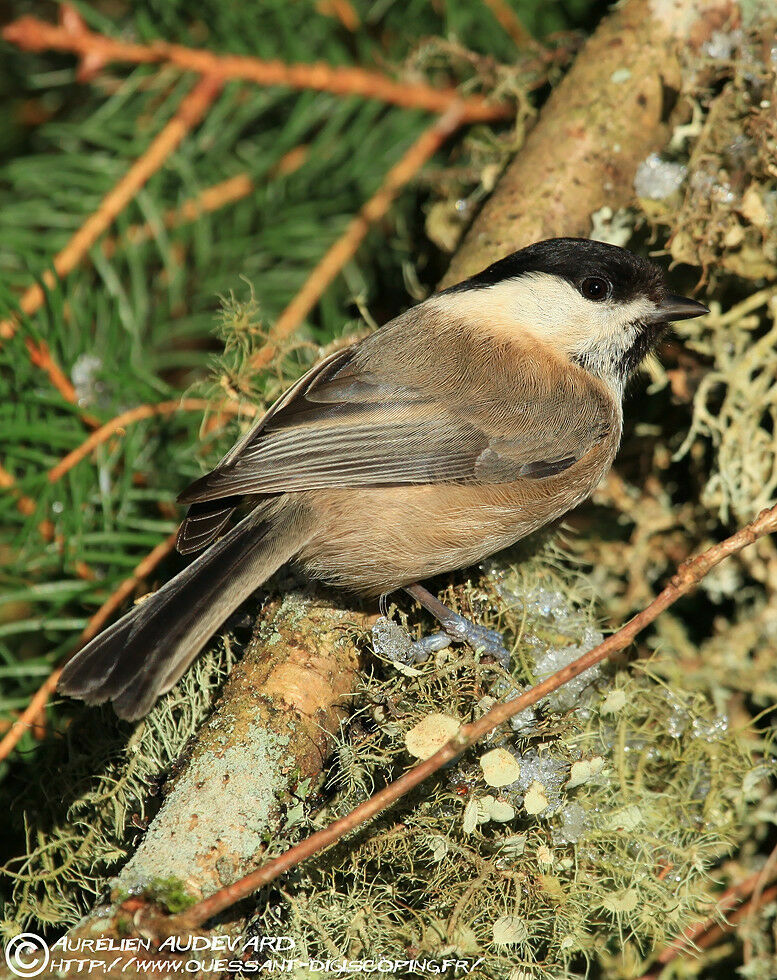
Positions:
(479, 638)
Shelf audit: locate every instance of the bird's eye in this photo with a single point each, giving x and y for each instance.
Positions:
(595, 288)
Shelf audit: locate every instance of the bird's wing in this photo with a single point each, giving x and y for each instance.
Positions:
(350, 423)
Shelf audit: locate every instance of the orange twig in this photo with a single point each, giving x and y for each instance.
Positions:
(131, 416)
(26, 505)
(97, 50)
(40, 356)
(342, 10)
(346, 246)
(29, 716)
(211, 199)
(510, 24)
(189, 113)
(31, 713)
(688, 575)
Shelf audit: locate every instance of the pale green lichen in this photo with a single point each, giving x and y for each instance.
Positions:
(229, 795)
(91, 804)
(623, 852)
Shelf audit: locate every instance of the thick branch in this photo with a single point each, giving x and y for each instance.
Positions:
(271, 730)
(609, 113)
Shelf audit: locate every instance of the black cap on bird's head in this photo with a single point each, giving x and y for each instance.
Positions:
(606, 304)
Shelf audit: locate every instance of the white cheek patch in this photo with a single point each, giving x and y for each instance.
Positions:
(553, 311)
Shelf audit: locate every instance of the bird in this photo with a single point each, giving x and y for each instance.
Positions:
(471, 420)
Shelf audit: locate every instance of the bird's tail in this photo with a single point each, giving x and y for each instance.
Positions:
(143, 654)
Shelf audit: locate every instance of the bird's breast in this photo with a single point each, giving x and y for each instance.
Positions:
(374, 540)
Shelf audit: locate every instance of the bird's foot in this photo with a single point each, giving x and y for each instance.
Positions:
(481, 639)
(456, 629)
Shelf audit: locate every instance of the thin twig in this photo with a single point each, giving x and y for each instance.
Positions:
(41, 358)
(30, 714)
(343, 11)
(97, 50)
(756, 900)
(510, 23)
(211, 199)
(132, 415)
(189, 113)
(346, 246)
(685, 580)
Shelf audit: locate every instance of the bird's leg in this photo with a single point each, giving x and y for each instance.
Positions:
(456, 629)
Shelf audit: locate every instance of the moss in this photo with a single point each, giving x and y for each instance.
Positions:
(96, 790)
(642, 797)
(170, 893)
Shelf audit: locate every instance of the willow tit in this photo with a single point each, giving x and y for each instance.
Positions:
(466, 423)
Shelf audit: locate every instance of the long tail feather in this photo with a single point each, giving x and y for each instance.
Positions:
(143, 654)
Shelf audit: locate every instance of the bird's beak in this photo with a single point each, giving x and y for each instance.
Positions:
(679, 308)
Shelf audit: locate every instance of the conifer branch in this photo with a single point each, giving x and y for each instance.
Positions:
(115, 425)
(343, 250)
(38, 701)
(687, 577)
(210, 199)
(97, 50)
(190, 112)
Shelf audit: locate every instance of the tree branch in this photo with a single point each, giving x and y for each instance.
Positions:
(609, 112)
(189, 113)
(97, 50)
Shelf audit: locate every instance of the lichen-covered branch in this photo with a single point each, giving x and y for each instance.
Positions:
(684, 581)
(271, 731)
(266, 740)
(606, 116)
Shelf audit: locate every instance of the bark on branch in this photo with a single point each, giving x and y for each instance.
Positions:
(611, 110)
(271, 730)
